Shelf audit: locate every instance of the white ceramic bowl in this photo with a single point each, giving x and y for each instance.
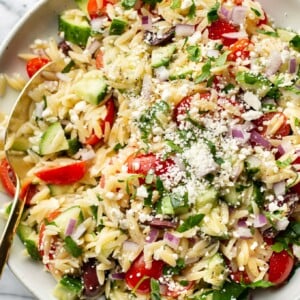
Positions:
(41, 22)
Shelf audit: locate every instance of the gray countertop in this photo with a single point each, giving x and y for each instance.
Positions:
(10, 13)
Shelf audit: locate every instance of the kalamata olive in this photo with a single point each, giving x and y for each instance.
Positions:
(65, 48)
(91, 283)
(158, 223)
(155, 39)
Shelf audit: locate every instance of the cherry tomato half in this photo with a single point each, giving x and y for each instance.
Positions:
(138, 277)
(262, 124)
(143, 163)
(280, 266)
(28, 190)
(93, 139)
(34, 64)
(240, 49)
(240, 277)
(7, 177)
(67, 174)
(219, 27)
(97, 8)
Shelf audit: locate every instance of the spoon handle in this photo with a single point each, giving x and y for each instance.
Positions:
(10, 227)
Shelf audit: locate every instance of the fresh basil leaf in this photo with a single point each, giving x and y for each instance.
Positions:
(190, 222)
(212, 15)
(295, 42)
(194, 53)
(155, 293)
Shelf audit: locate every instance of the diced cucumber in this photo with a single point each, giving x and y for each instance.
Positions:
(92, 87)
(63, 219)
(75, 26)
(56, 190)
(252, 164)
(166, 205)
(20, 144)
(232, 197)
(285, 35)
(117, 27)
(74, 146)
(82, 5)
(29, 238)
(161, 56)
(68, 288)
(215, 271)
(53, 140)
(62, 293)
(181, 74)
(208, 196)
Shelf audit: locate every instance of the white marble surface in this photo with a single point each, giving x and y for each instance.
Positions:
(10, 13)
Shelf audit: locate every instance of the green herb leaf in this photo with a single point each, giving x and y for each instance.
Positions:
(268, 33)
(190, 222)
(278, 247)
(174, 148)
(32, 250)
(297, 122)
(192, 11)
(194, 53)
(68, 67)
(155, 292)
(180, 265)
(227, 88)
(257, 13)
(229, 291)
(152, 3)
(285, 163)
(205, 73)
(221, 60)
(176, 4)
(127, 4)
(212, 15)
(72, 247)
(117, 27)
(259, 284)
(295, 42)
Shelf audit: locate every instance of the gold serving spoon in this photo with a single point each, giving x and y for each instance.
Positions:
(19, 115)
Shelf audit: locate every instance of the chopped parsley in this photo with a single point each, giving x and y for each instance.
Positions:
(295, 42)
(257, 13)
(192, 11)
(212, 15)
(194, 53)
(180, 265)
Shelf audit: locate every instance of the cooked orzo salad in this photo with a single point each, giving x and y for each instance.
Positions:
(165, 154)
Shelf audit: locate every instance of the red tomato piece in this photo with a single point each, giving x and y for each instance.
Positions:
(7, 177)
(217, 28)
(67, 174)
(280, 266)
(263, 21)
(143, 163)
(93, 139)
(138, 277)
(99, 59)
(34, 64)
(262, 124)
(28, 190)
(97, 8)
(183, 107)
(240, 49)
(240, 277)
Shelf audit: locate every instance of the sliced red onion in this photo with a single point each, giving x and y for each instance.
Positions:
(292, 65)
(225, 13)
(184, 29)
(260, 221)
(259, 140)
(238, 14)
(243, 232)
(171, 240)
(147, 23)
(285, 147)
(147, 86)
(242, 223)
(274, 63)
(97, 23)
(94, 46)
(163, 223)
(239, 132)
(118, 276)
(152, 236)
(162, 73)
(235, 35)
(279, 188)
(70, 227)
(80, 230)
(129, 246)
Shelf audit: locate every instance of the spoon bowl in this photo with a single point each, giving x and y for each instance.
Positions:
(19, 115)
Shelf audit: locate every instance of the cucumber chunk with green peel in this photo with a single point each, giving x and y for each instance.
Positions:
(75, 26)
(56, 190)
(63, 219)
(162, 56)
(208, 196)
(53, 140)
(91, 87)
